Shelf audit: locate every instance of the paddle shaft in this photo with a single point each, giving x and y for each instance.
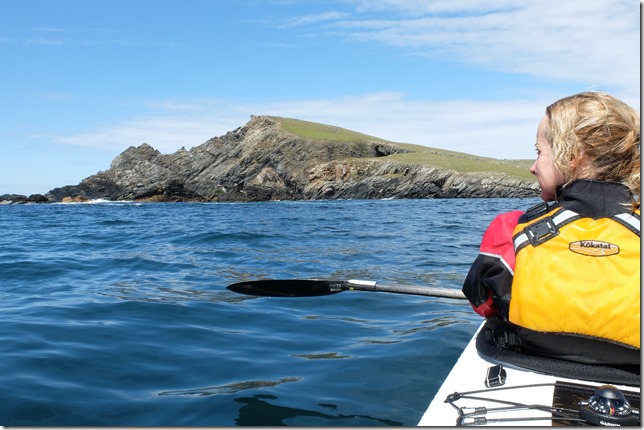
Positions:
(353, 284)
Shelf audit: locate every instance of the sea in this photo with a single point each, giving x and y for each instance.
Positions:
(117, 313)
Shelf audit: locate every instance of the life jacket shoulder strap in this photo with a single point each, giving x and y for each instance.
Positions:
(538, 232)
(544, 229)
(629, 220)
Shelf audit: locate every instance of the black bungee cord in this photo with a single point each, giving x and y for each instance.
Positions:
(475, 417)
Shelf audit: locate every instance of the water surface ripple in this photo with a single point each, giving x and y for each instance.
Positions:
(117, 313)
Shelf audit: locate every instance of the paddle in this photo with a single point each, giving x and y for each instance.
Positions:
(321, 287)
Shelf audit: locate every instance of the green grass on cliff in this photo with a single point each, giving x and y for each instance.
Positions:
(316, 131)
(418, 154)
(462, 162)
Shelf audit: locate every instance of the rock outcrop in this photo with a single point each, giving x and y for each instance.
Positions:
(262, 161)
(20, 199)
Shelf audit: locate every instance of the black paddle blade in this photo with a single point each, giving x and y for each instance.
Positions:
(288, 287)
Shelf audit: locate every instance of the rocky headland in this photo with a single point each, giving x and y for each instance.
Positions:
(272, 158)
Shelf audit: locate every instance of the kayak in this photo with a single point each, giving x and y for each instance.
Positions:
(481, 390)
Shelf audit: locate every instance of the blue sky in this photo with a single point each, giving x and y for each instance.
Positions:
(84, 80)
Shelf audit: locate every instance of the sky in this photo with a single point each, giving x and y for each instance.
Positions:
(84, 80)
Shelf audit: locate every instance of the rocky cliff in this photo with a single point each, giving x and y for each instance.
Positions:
(263, 160)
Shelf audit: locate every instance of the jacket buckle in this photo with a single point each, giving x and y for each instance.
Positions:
(541, 231)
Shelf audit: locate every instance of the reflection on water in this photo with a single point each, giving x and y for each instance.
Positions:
(153, 291)
(227, 389)
(33, 415)
(324, 356)
(257, 411)
(433, 324)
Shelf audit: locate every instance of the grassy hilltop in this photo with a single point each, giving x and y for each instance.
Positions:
(422, 155)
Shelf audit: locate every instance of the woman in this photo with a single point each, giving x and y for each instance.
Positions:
(562, 280)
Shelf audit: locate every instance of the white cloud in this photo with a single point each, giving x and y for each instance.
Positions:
(503, 129)
(49, 30)
(495, 129)
(87, 37)
(314, 19)
(419, 7)
(594, 42)
(165, 133)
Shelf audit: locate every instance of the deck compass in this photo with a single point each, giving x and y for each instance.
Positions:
(609, 407)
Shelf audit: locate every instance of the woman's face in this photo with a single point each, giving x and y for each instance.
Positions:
(543, 167)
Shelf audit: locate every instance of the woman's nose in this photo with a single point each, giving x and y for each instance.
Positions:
(533, 168)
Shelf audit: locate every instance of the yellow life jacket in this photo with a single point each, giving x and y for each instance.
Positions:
(578, 275)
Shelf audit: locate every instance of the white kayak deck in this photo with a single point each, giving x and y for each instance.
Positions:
(468, 374)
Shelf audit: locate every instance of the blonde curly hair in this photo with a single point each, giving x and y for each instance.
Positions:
(604, 129)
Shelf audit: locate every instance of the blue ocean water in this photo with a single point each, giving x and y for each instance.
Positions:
(117, 313)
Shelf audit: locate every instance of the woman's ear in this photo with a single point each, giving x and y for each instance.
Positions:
(581, 165)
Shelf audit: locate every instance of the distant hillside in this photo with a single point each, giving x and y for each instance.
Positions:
(416, 154)
(273, 158)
